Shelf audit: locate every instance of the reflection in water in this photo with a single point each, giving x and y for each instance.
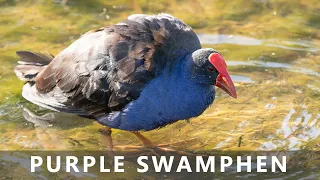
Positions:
(270, 106)
(228, 39)
(274, 65)
(23, 160)
(241, 125)
(294, 131)
(212, 39)
(47, 137)
(222, 143)
(241, 79)
(314, 88)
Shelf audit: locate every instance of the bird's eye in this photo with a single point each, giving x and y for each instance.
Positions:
(210, 69)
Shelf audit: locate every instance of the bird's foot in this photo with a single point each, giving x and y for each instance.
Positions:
(148, 146)
(178, 143)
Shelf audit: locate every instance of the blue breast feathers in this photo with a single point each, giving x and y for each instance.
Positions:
(170, 97)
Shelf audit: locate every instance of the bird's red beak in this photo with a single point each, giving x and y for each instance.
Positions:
(223, 80)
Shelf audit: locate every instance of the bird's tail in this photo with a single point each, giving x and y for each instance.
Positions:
(30, 64)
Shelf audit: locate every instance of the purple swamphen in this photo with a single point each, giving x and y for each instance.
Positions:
(140, 74)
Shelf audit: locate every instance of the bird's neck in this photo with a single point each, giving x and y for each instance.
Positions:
(170, 97)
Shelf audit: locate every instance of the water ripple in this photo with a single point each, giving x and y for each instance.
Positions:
(296, 45)
(295, 131)
(241, 79)
(274, 65)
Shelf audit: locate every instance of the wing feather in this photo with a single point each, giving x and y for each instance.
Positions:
(107, 68)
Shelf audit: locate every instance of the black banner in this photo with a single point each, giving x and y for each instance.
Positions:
(156, 164)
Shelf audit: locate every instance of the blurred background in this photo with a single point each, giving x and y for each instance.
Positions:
(271, 48)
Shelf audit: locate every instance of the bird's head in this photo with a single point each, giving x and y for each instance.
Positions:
(209, 67)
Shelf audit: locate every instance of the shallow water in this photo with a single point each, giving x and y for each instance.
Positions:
(271, 48)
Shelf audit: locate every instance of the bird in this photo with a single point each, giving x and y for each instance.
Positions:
(141, 74)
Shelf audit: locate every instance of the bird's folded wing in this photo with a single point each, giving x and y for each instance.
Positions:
(107, 68)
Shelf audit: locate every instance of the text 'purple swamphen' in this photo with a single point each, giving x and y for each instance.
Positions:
(140, 74)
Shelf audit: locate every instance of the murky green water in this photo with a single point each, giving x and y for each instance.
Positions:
(272, 51)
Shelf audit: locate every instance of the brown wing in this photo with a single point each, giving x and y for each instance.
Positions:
(107, 68)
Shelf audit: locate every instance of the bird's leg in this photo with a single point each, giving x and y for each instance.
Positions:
(107, 140)
(145, 141)
(148, 145)
(106, 132)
